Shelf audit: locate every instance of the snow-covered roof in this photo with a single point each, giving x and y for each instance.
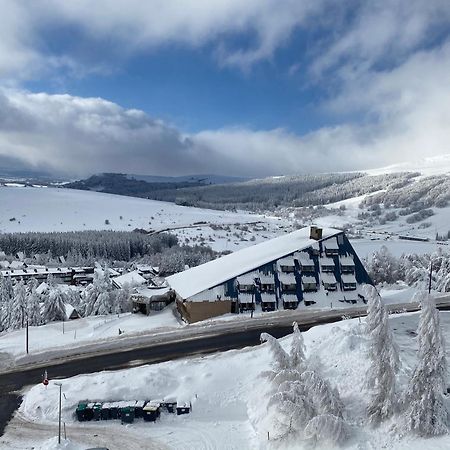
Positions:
(307, 280)
(287, 278)
(328, 278)
(268, 298)
(71, 312)
(100, 270)
(331, 244)
(289, 297)
(347, 261)
(113, 272)
(36, 270)
(17, 265)
(213, 294)
(289, 262)
(266, 279)
(43, 287)
(304, 259)
(131, 278)
(149, 292)
(353, 296)
(245, 298)
(247, 279)
(145, 268)
(222, 269)
(4, 264)
(325, 261)
(348, 278)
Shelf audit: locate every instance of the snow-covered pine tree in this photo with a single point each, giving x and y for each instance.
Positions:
(91, 294)
(293, 409)
(426, 413)
(73, 297)
(19, 306)
(7, 295)
(50, 281)
(3, 309)
(383, 266)
(104, 303)
(301, 399)
(297, 354)
(323, 397)
(327, 429)
(123, 300)
(384, 360)
(105, 300)
(88, 297)
(289, 401)
(33, 304)
(54, 306)
(281, 360)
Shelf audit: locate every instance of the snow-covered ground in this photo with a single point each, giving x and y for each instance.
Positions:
(390, 230)
(93, 329)
(228, 411)
(432, 165)
(51, 209)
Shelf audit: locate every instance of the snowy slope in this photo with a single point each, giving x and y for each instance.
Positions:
(433, 165)
(50, 209)
(228, 411)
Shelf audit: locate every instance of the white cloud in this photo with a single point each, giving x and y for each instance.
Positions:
(408, 110)
(383, 67)
(379, 33)
(122, 27)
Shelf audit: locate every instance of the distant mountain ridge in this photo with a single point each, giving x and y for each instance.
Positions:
(205, 179)
(253, 195)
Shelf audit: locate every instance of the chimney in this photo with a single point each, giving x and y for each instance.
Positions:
(315, 233)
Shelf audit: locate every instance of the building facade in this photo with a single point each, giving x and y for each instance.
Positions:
(311, 267)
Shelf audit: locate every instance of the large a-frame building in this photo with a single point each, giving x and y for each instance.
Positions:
(309, 268)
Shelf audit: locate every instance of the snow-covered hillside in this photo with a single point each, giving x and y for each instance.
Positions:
(228, 411)
(50, 209)
(433, 165)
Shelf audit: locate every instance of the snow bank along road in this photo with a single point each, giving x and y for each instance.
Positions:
(161, 347)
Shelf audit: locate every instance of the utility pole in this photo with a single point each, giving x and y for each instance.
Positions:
(429, 283)
(26, 333)
(26, 327)
(59, 421)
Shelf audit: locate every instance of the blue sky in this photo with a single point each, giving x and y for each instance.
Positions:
(255, 88)
(187, 87)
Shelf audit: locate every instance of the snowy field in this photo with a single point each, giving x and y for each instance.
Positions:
(228, 411)
(51, 209)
